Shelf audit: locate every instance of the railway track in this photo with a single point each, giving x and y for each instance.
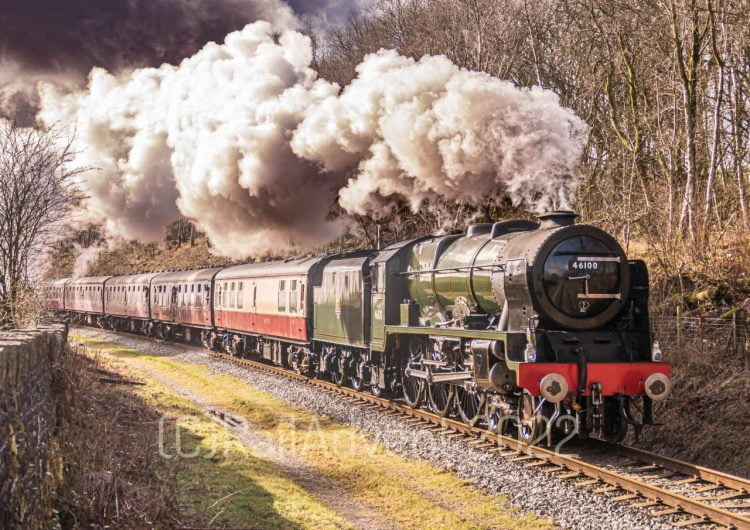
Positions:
(693, 496)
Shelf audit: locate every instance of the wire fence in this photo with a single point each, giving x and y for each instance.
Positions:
(678, 337)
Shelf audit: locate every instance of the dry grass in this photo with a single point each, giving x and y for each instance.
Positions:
(196, 473)
(703, 279)
(412, 494)
(109, 465)
(705, 418)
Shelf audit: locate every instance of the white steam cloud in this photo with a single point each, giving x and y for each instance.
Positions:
(247, 141)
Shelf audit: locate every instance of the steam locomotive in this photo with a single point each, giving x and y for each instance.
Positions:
(538, 328)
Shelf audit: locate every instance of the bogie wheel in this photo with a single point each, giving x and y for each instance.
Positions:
(357, 383)
(440, 396)
(414, 387)
(496, 422)
(378, 391)
(338, 376)
(470, 405)
(529, 422)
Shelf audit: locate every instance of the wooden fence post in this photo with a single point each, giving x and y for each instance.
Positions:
(679, 332)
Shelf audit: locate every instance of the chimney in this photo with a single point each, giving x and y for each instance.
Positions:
(557, 219)
(478, 229)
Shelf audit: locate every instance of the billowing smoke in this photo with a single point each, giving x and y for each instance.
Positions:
(85, 257)
(430, 129)
(247, 141)
(61, 40)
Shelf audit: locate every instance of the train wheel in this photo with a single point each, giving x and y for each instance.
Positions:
(338, 376)
(530, 423)
(440, 396)
(470, 405)
(615, 427)
(357, 383)
(413, 391)
(413, 387)
(496, 422)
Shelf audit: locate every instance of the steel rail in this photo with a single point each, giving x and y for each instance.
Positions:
(673, 464)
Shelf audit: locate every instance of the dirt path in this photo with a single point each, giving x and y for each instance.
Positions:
(263, 446)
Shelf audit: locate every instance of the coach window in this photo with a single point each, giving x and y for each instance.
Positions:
(240, 295)
(282, 296)
(232, 296)
(293, 296)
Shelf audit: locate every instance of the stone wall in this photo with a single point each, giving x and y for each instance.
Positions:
(27, 423)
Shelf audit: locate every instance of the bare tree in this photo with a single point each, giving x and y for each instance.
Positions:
(37, 191)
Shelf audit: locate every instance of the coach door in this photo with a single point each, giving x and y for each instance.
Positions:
(173, 304)
(254, 306)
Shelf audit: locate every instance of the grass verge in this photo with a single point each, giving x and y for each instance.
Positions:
(413, 494)
(166, 443)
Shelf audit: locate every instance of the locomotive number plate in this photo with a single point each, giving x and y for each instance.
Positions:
(590, 264)
(585, 266)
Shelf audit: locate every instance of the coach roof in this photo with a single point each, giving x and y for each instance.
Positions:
(289, 267)
(89, 280)
(186, 276)
(132, 279)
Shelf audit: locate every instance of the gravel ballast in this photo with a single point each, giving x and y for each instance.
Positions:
(530, 490)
